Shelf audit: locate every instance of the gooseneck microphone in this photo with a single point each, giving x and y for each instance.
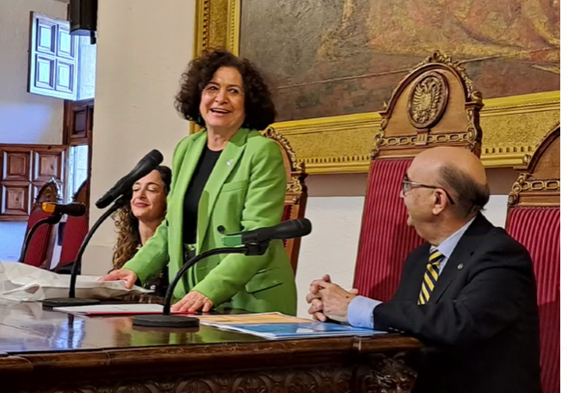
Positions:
(120, 195)
(147, 164)
(285, 230)
(254, 242)
(72, 209)
(57, 210)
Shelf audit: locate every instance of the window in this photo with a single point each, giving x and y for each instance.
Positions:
(78, 169)
(53, 69)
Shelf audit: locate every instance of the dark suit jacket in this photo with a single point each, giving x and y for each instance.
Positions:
(480, 328)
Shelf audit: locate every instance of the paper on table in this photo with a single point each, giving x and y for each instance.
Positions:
(106, 309)
(312, 329)
(20, 282)
(241, 319)
(116, 309)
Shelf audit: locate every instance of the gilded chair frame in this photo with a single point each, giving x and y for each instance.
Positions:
(296, 193)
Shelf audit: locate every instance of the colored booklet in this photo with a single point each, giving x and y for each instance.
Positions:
(278, 326)
(273, 331)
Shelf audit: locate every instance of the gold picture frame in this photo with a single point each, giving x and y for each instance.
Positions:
(512, 127)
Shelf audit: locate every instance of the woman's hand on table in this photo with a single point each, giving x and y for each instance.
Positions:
(192, 302)
(128, 276)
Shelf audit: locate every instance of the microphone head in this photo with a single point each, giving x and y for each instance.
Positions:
(72, 209)
(155, 157)
(48, 207)
(302, 225)
(147, 164)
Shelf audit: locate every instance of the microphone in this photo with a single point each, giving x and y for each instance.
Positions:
(147, 164)
(254, 242)
(285, 230)
(72, 300)
(72, 209)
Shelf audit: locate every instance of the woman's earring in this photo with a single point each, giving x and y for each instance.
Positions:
(199, 120)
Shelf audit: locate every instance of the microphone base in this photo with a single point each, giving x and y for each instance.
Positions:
(68, 301)
(161, 320)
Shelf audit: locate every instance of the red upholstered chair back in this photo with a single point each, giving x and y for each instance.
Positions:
(434, 105)
(533, 220)
(40, 248)
(296, 195)
(76, 229)
(36, 252)
(385, 238)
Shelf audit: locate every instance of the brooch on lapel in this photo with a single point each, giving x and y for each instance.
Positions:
(460, 266)
(229, 162)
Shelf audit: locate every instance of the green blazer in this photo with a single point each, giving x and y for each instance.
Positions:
(246, 191)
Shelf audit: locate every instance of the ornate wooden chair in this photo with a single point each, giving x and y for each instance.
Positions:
(76, 229)
(533, 220)
(40, 248)
(434, 105)
(296, 196)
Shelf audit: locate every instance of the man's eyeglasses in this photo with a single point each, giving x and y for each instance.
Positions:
(407, 185)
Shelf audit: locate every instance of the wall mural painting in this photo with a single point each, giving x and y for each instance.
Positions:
(336, 57)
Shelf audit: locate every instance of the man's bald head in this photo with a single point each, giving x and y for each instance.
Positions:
(458, 171)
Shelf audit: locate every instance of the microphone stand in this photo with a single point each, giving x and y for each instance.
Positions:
(72, 300)
(168, 320)
(51, 220)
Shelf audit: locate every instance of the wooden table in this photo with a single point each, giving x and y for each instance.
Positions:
(46, 351)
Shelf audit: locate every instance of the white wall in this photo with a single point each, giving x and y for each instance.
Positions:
(142, 49)
(24, 117)
(335, 206)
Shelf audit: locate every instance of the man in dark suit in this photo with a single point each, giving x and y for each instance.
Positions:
(468, 293)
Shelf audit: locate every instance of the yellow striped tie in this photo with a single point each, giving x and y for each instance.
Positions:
(431, 276)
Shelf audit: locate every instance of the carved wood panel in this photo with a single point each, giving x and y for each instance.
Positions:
(24, 170)
(381, 374)
(48, 163)
(78, 126)
(17, 165)
(15, 200)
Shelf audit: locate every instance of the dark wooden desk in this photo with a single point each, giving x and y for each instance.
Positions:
(46, 351)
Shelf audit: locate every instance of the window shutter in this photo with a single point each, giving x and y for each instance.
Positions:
(53, 61)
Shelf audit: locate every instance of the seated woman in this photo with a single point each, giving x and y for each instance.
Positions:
(229, 176)
(137, 222)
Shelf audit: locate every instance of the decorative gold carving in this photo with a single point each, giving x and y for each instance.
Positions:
(295, 186)
(511, 126)
(428, 99)
(509, 138)
(429, 139)
(233, 43)
(524, 185)
(272, 133)
(49, 192)
(513, 138)
(438, 57)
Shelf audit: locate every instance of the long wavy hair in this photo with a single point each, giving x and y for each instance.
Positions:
(127, 226)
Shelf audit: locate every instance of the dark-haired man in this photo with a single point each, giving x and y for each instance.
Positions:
(468, 293)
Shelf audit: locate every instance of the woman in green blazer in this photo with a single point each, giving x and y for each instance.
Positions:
(227, 175)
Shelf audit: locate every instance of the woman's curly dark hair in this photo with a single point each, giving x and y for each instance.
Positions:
(258, 104)
(127, 226)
